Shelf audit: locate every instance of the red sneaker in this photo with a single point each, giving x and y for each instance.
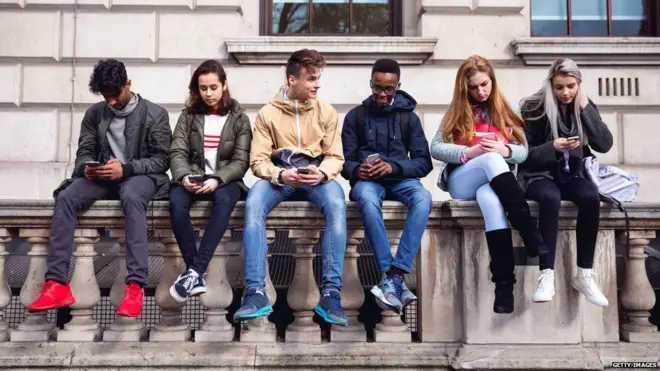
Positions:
(53, 295)
(131, 306)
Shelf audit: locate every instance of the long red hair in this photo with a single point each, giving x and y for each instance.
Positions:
(459, 120)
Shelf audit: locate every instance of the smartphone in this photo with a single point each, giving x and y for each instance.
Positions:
(373, 157)
(573, 138)
(92, 163)
(197, 179)
(304, 170)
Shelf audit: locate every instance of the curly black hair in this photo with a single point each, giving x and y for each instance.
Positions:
(387, 66)
(109, 77)
(195, 104)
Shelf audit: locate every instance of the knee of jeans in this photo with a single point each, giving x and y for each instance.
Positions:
(255, 211)
(422, 200)
(132, 199)
(335, 210)
(487, 199)
(179, 207)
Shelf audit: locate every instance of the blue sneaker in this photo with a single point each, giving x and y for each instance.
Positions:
(407, 296)
(255, 305)
(329, 308)
(388, 293)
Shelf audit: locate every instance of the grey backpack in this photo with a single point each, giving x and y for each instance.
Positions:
(615, 186)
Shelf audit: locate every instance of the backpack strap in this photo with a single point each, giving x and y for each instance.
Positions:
(360, 122)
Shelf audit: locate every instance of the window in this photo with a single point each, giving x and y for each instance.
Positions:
(595, 17)
(332, 17)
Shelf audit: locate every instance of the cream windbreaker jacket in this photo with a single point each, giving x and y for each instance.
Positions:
(309, 127)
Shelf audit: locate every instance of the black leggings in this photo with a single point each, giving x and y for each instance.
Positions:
(585, 195)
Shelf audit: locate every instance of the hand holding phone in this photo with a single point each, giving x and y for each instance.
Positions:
(196, 179)
(372, 158)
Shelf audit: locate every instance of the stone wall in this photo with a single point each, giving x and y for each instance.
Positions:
(43, 91)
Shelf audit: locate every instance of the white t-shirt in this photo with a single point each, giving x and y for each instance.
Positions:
(213, 125)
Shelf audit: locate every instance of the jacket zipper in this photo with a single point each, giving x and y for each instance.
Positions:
(298, 124)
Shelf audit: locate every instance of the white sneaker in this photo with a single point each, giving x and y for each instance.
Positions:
(546, 289)
(584, 283)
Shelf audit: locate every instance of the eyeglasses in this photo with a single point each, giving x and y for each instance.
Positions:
(389, 90)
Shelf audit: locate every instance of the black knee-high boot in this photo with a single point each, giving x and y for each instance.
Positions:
(513, 201)
(500, 247)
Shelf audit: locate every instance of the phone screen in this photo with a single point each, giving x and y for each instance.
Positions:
(92, 163)
(302, 170)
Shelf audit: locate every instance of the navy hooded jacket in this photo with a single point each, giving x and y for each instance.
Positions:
(382, 129)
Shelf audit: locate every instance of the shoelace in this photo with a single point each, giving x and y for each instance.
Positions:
(397, 283)
(46, 286)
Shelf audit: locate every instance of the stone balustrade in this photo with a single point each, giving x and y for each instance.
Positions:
(452, 282)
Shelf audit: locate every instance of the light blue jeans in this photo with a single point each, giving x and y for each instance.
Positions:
(370, 195)
(471, 181)
(263, 197)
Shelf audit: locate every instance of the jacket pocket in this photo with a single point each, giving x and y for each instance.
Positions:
(226, 150)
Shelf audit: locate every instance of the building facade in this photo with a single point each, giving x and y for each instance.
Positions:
(48, 49)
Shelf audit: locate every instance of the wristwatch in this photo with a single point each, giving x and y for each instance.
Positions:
(279, 177)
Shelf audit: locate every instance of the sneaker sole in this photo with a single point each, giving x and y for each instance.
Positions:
(321, 312)
(43, 309)
(262, 312)
(199, 291)
(378, 293)
(176, 296)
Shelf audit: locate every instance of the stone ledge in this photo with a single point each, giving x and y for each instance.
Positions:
(296, 214)
(217, 356)
(598, 51)
(335, 49)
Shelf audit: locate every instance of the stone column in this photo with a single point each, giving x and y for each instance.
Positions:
(124, 328)
(217, 298)
(391, 329)
(260, 330)
(82, 326)
(171, 326)
(35, 327)
(5, 290)
(303, 294)
(637, 295)
(352, 293)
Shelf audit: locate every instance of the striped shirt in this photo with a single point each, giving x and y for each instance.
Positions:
(213, 125)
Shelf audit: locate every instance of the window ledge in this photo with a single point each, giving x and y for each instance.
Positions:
(335, 49)
(599, 51)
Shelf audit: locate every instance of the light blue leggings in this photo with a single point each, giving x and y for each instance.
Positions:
(471, 181)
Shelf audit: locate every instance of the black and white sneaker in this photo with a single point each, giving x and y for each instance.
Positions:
(199, 287)
(180, 289)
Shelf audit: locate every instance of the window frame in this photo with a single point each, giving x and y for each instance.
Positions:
(652, 9)
(266, 21)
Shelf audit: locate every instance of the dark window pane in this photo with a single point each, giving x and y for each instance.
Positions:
(629, 18)
(290, 16)
(330, 16)
(549, 17)
(371, 17)
(589, 18)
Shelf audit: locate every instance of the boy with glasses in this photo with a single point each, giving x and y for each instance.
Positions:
(386, 154)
